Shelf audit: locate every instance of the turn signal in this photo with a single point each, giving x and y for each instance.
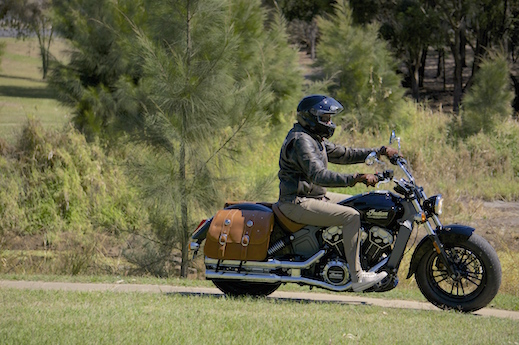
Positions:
(420, 217)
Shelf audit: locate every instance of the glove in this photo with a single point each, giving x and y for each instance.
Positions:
(389, 152)
(367, 179)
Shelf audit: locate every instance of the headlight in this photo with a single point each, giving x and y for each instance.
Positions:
(434, 205)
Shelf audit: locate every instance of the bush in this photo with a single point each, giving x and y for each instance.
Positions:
(489, 100)
(56, 181)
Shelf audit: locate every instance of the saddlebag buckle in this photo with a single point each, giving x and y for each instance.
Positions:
(222, 239)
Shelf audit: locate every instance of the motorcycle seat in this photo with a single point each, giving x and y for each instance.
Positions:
(286, 223)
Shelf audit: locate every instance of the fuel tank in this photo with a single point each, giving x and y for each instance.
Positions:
(380, 207)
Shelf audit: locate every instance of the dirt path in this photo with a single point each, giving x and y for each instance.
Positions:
(498, 222)
(279, 295)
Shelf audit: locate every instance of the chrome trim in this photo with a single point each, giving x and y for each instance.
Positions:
(222, 239)
(274, 278)
(270, 264)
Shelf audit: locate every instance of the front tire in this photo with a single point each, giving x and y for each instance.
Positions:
(478, 280)
(241, 288)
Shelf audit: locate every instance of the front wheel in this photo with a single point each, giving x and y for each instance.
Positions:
(477, 280)
(242, 288)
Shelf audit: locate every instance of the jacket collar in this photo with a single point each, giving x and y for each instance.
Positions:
(299, 128)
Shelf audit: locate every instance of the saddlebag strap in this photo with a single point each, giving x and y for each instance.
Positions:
(245, 240)
(225, 233)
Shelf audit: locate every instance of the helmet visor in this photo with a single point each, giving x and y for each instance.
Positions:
(327, 107)
(325, 118)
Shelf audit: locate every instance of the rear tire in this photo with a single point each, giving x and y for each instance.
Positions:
(241, 288)
(477, 283)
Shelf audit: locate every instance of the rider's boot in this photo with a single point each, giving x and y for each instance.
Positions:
(365, 280)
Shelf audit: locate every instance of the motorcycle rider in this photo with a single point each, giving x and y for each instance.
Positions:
(304, 176)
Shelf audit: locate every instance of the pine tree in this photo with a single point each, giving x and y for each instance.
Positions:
(363, 68)
(489, 100)
(98, 62)
(188, 80)
(283, 74)
(263, 50)
(191, 99)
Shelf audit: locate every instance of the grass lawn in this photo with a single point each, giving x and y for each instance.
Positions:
(23, 92)
(64, 317)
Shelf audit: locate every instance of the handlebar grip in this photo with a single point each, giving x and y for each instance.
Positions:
(394, 159)
(385, 175)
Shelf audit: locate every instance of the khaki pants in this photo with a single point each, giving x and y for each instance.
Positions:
(326, 212)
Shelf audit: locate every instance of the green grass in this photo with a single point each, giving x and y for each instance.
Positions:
(406, 290)
(60, 317)
(23, 92)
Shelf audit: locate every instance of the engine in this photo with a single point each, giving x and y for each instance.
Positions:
(333, 236)
(375, 242)
(336, 272)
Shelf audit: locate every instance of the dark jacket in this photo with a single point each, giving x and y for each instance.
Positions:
(303, 165)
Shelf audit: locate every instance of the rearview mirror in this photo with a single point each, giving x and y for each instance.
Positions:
(371, 158)
(394, 138)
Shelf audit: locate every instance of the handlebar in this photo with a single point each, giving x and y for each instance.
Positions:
(385, 175)
(394, 160)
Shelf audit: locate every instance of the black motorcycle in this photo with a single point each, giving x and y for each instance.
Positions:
(252, 248)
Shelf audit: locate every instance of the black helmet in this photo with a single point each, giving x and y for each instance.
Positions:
(314, 114)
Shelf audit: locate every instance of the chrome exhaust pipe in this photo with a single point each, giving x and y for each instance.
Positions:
(274, 278)
(270, 264)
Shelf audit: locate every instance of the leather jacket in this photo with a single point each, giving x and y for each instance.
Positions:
(303, 165)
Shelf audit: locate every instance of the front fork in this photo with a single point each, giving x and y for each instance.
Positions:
(438, 246)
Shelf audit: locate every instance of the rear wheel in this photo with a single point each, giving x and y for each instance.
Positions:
(477, 280)
(242, 288)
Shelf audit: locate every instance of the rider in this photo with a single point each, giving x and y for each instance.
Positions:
(304, 174)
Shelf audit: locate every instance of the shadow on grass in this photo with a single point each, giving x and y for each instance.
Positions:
(277, 299)
(27, 92)
(34, 80)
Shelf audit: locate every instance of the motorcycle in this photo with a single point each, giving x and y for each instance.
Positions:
(252, 248)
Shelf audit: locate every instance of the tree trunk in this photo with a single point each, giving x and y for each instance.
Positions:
(463, 44)
(184, 211)
(423, 60)
(44, 42)
(439, 66)
(311, 34)
(184, 207)
(44, 54)
(413, 75)
(458, 72)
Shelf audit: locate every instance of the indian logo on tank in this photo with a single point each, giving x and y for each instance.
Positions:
(374, 214)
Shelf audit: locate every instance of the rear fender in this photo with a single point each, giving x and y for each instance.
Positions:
(201, 232)
(454, 231)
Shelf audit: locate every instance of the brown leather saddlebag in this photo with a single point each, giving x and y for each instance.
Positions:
(239, 235)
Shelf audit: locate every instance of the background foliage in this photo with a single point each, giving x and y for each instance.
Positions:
(175, 109)
(56, 182)
(362, 67)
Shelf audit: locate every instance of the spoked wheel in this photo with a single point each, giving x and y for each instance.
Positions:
(241, 288)
(477, 278)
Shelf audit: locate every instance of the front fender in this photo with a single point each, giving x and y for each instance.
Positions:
(455, 231)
